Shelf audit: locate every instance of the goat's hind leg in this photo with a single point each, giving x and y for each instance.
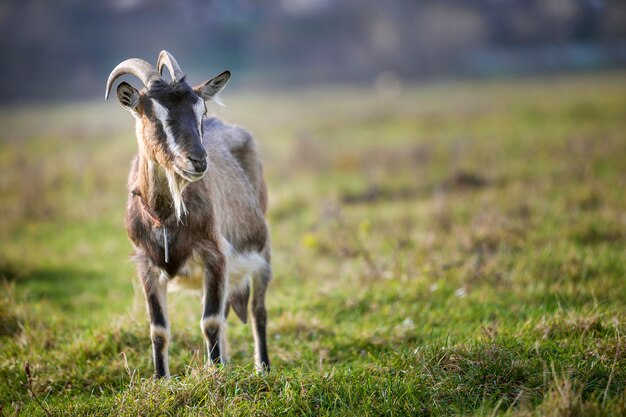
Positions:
(214, 302)
(259, 318)
(155, 290)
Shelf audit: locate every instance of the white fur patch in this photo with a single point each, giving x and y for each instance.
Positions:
(162, 114)
(200, 110)
(240, 267)
(211, 322)
(160, 331)
(139, 131)
(177, 185)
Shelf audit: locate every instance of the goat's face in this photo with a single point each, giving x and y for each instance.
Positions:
(169, 122)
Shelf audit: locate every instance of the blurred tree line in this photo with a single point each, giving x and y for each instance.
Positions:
(66, 48)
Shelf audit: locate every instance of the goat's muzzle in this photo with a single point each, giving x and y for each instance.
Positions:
(191, 166)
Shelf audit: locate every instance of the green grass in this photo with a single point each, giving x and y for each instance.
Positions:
(459, 249)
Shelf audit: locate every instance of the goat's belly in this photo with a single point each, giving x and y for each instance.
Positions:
(189, 277)
(240, 267)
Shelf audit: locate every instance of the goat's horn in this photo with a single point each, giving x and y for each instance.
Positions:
(137, 67)
(165, 58)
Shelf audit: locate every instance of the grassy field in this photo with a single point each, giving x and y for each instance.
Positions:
(459, 249)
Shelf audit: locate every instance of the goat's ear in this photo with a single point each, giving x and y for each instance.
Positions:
(208, 89)
(128, 96)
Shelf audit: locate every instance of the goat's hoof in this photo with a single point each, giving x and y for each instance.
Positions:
(213, 368)
(262, 370)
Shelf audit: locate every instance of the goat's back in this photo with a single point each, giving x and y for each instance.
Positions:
(235, 179)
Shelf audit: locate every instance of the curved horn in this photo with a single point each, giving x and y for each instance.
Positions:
(137, 67)
(165, 58)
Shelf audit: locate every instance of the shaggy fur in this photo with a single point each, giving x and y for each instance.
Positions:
(214, 221)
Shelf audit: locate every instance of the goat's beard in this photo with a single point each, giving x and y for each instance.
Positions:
(177, 185)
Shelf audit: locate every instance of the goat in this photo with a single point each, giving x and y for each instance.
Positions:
(196, 208)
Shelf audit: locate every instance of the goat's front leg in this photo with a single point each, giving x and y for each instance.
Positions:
(155, 290)
(213, 305)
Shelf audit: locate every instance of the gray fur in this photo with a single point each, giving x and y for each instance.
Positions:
(214, 218)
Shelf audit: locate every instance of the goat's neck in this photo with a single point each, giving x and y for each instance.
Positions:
(152, 184)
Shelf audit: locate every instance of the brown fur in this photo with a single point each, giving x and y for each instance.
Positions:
(230, 199)
(200, 187)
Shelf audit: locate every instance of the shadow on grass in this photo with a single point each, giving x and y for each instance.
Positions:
(458, 182)
(66, 288)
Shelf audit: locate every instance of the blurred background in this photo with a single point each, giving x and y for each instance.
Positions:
(446, 200)
(65, 48)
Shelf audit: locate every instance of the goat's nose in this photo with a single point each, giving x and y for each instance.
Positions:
(198, 162)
